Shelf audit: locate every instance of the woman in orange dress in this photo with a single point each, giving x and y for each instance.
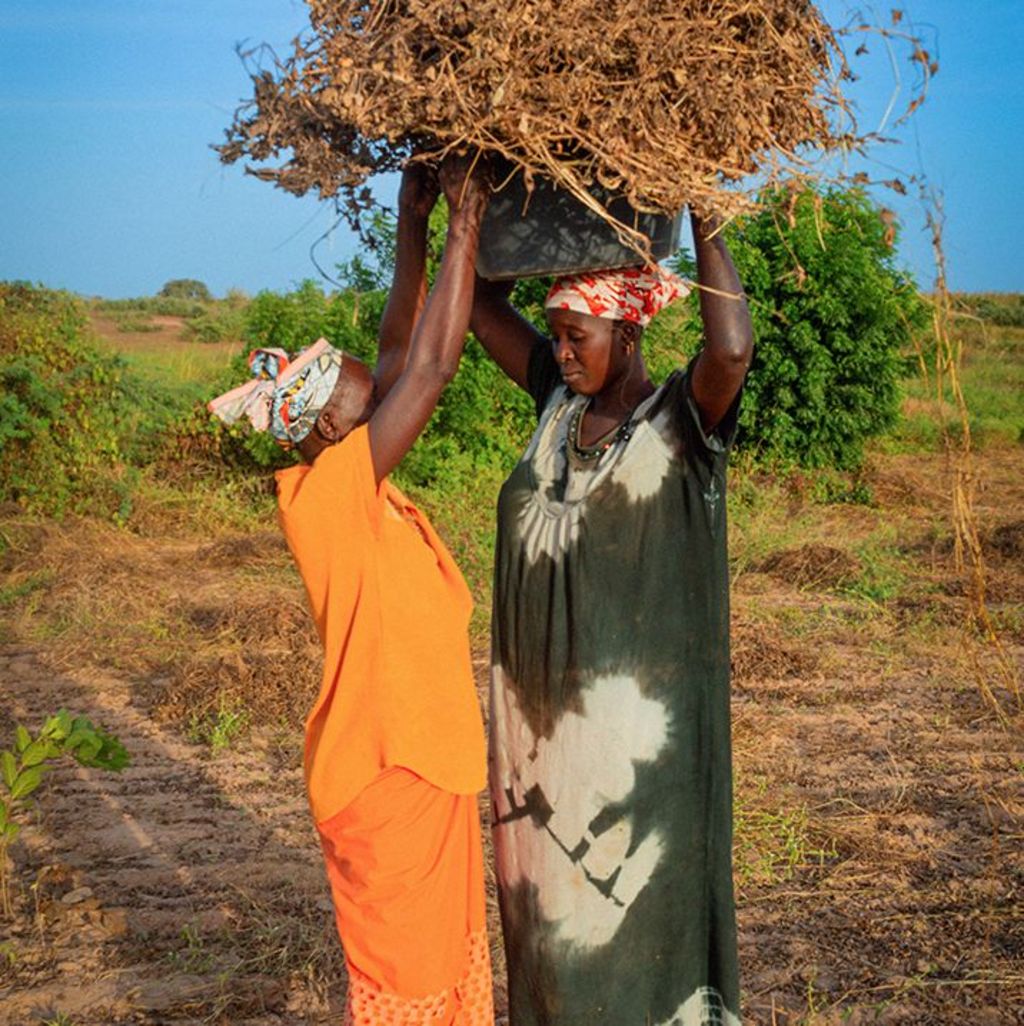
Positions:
(394, 753)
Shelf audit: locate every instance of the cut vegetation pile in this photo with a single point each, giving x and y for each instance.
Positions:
(663, 101)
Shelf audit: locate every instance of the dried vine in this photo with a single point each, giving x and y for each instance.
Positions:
(994, 669)
(666, 102)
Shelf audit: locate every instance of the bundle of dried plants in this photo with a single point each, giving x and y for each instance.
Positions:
(667, 102)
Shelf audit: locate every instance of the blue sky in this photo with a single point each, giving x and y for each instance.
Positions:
(108, 108)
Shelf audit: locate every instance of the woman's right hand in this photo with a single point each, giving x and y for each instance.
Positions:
(419, 189)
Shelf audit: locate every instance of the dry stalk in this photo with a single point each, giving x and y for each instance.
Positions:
(992, 665)
(664, 102)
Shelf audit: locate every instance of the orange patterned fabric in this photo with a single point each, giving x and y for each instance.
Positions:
(405, 864)
(468, 1003)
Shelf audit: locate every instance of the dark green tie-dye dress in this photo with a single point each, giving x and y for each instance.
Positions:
(610, 758)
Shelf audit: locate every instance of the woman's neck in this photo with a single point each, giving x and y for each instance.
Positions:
(618, 399)
(612, 406)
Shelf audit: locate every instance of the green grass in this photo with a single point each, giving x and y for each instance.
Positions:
(221, 729)
(993, 384)
(771, 843)
(992, 379)
(188, 366)
(192, 956)
(882, 572)
(759, 518)
(12, 594)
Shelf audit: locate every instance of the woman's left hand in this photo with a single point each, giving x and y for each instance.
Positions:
(464, 180)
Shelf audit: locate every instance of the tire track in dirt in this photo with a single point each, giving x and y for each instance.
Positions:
(179, 891)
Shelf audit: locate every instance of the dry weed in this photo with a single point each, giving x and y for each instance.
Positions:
(287, 934)
(201, 626)
(996, 671)
(665, 103)
(812, 566)
(759, 653)
(257, 653)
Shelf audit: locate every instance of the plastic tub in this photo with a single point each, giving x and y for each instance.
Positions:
(550, 232)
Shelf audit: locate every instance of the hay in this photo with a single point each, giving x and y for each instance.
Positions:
(666, 102)
(758, 653)
(254, 653)
(812, 566)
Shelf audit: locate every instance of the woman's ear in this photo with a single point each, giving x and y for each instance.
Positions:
(629, 335)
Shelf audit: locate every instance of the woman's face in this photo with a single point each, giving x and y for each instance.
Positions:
(587, 349)
(351, 403)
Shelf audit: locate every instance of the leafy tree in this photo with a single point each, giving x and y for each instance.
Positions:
(833, 321)
(186, 288)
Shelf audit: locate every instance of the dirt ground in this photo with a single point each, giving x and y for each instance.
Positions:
(880, 803)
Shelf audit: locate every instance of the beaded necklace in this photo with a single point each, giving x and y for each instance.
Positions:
(586, 455)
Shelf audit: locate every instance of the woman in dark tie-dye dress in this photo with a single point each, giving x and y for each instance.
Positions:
(610, 756)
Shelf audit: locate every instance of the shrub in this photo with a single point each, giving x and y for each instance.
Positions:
(23, 768)
(1006, 310)
(186, 288)
(162, 306)
(833, 321)
(75, 423)
(132, 321)
(296, 319)
(219, 322)
(57, 417)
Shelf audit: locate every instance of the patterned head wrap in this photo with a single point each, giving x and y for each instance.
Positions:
(284, 397)
(629, 294)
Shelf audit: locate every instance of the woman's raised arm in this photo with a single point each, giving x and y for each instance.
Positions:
(416, 198)
(440, 332)
(728, 333)
(506, 335)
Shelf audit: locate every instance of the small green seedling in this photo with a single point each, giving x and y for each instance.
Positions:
(22, 771)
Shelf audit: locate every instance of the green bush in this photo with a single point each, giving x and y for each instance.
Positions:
(294, 320)
(57, 418)
(134, 321)
(186, 288)
(834, 321)
(75, 423)
(1006, 310)
(219, 322)
(159, 306)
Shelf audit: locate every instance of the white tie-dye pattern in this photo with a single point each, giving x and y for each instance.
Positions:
(704, 1007)
(545, 535)
(644, 474)
(586, 765)
(640, 463)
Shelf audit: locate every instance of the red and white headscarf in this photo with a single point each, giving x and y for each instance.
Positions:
(629, 294)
